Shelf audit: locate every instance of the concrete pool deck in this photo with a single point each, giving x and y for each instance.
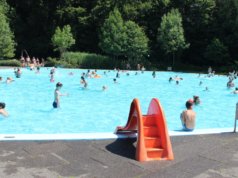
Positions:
(199, 156)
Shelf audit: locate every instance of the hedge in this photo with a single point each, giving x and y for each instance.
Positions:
(12, 62)
(90, 60)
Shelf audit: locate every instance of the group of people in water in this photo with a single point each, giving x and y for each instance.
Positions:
(188, 116)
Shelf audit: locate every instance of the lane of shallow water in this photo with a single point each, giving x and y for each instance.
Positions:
(29, 101)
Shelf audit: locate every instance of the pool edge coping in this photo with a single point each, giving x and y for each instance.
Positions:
(101, 136)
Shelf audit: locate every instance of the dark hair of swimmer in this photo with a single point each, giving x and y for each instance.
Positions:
(2, 105)
(188, 104)
(114, 79)
(236, 88)
(59, 84)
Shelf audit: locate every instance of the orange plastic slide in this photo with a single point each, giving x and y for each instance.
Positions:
(153, 141)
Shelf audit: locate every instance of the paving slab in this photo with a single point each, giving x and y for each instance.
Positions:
(198, 156)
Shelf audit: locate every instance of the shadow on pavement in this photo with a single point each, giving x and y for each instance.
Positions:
(123, 147)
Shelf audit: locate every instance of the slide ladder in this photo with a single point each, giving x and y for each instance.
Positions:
(153, 141)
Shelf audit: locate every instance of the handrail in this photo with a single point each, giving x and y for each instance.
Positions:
(132, 118)
(155, 108)
(140, 151)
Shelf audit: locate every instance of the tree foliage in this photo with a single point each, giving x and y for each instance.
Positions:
(136, 42)
(171, 33)
(7, 44)
(120, 38)
(63, 39)
(34, 23)
(113, 34)
(217, 53)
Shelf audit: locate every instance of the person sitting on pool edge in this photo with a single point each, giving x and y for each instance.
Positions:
(56, 103)
(188, 117)
(2, 109)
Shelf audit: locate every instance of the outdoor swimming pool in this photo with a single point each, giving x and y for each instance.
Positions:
(29, 101)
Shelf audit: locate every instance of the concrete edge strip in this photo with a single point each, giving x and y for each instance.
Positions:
(98, 136)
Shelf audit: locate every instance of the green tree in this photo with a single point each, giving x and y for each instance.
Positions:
(63, 39)
(217, 53)
(7, 44)
(137, 42)
(171, 33)
(113, 36)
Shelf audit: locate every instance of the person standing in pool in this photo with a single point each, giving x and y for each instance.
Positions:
(188, 117)
(57, 94)
(153, 74)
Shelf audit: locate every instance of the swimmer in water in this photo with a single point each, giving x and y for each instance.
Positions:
(235, 91)
(170, 79)
(104, 87)
(9, 80)
(2, 109)
(153, 74)
(83, 81)
(118, 75)
(196, 100)
(115, 80)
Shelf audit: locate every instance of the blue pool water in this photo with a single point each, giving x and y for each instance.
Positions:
(29, 101)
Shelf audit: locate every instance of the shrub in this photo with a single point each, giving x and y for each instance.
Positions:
(12, 62)
(90, 60)
(57, 63)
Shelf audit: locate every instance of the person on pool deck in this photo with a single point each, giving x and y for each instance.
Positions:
(188, 117)
(56, 103)
(2, 109)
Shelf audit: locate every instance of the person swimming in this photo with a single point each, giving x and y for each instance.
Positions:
(83, 81)
(18, 73)
(2, 109)
(9, 80)
(170, 79)
(235, 91)
(115, 80)
(230, 84)
(196, 100)
(104, 87)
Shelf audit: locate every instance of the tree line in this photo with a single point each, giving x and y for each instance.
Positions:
(197, 32)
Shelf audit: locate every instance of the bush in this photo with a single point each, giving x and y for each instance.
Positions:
(90, 60)
(12, 62)
(57, 63)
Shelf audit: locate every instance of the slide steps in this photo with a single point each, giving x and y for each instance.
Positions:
(153, 141)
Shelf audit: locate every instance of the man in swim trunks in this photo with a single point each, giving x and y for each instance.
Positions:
(188, 117)
(56, 103)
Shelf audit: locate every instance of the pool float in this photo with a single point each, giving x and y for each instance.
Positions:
(97, 76)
